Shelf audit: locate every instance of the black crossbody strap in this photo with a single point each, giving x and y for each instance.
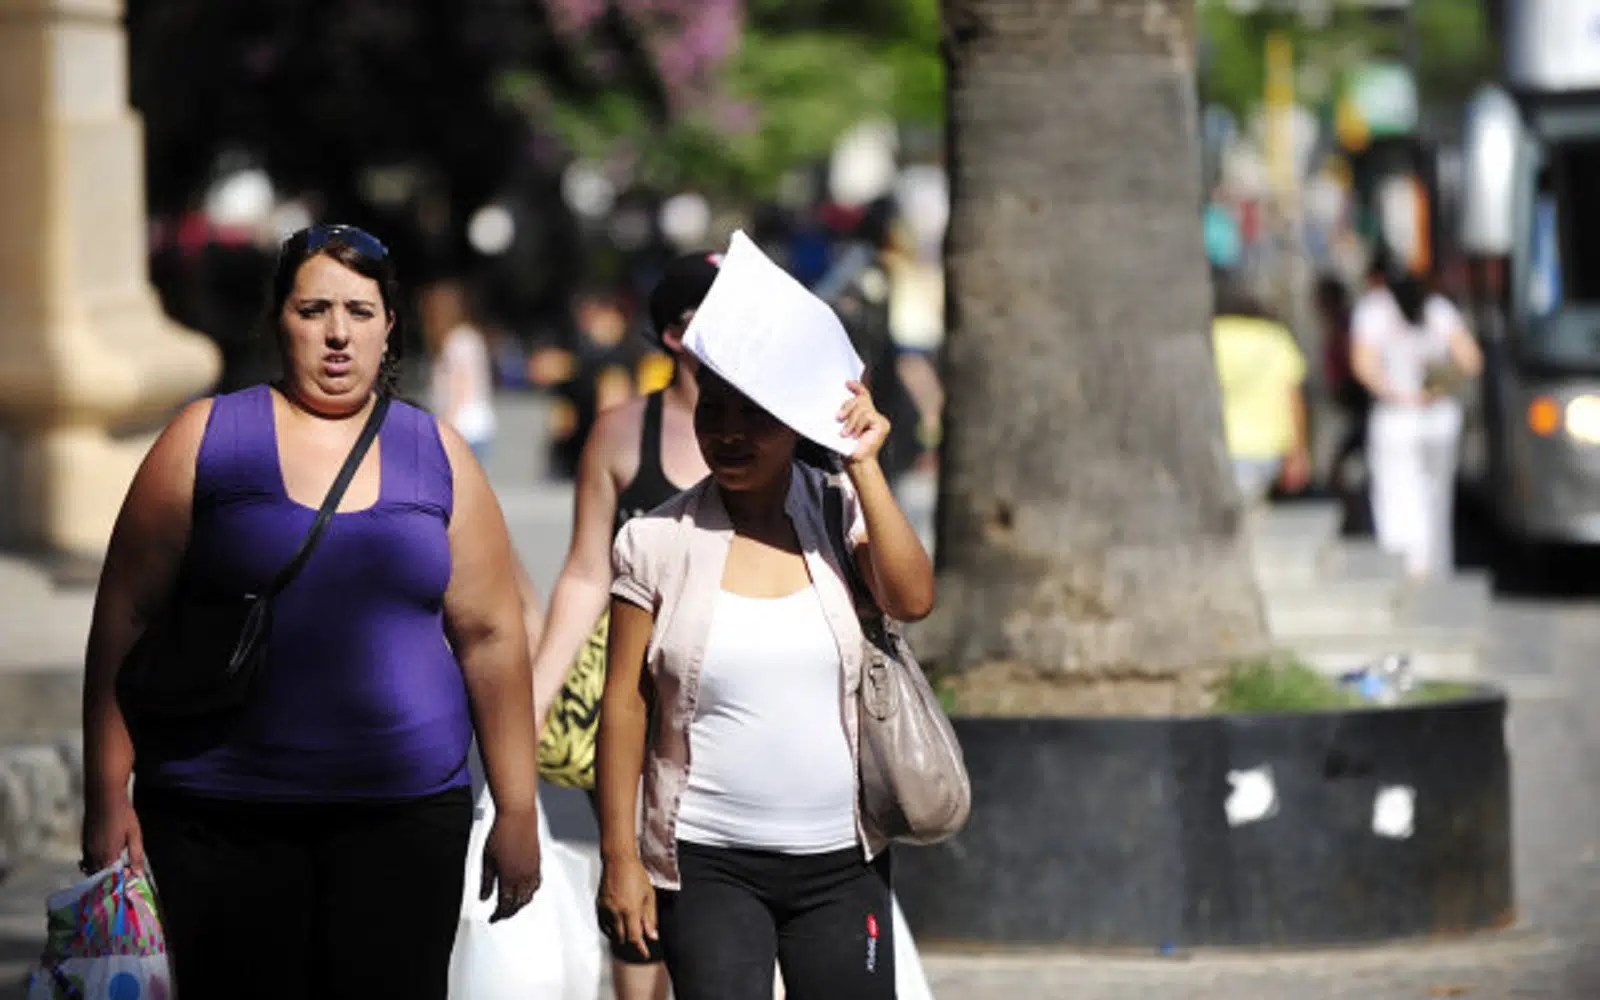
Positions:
(330, 503)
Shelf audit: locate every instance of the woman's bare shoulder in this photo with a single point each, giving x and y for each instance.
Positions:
(614, 439)
(180, 440)
(622, 422)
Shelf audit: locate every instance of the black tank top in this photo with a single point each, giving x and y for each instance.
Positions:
(650, 487)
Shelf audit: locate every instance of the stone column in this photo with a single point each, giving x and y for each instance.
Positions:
(89, 364)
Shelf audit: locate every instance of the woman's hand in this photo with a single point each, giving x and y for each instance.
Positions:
(863, 422)
(627, 904)
(109, 828)
(1295, 474)
(511, 858)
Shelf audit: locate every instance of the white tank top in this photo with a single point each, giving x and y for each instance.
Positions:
(769, 761)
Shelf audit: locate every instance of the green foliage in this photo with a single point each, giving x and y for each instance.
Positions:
(909, 20)
(1284, 684)
(1281, 685)
(1453, 50)
(803, 72)
(806, 88)
(1456, 53)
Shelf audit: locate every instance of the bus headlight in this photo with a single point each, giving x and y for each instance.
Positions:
(1583, 419)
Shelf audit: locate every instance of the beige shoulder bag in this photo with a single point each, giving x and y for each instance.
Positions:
(914, 785)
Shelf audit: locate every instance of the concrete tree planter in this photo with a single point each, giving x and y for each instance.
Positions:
(1316, 828)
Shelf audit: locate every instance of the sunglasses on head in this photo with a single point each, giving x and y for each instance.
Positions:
(360, 240)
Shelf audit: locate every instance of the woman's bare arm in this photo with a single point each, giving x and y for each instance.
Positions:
(626, 896)
(136, 582)
(624, 718)
(1465, 353)
(1366, 363)
(484, 622)
(892, 561)
(583, 589)
(532, 607)
(483, 618)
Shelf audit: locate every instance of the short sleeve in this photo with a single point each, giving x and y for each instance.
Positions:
(630, 577)
(1291, 363)
(1442, 317)
(1367, 326)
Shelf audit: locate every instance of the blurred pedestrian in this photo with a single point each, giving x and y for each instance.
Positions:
(858, 286)
(310, 840)
(1412, 349)
(1348, 394)
(638, 456)
(916, 322)
(1261, 374)
(591, 370)
(460, 372)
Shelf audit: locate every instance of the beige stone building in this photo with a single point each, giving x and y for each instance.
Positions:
(90, 367)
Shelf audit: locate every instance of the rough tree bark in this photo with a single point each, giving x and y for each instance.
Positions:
(1089, 537)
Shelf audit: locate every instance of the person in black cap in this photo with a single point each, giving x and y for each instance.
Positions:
(638, 455)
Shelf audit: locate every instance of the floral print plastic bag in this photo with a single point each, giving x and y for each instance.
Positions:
(104, 942)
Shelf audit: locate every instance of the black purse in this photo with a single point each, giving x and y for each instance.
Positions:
(202, 655)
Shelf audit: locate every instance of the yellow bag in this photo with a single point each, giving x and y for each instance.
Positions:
(566, 748)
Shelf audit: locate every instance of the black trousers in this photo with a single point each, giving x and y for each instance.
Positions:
(317, 900)
(827, 919)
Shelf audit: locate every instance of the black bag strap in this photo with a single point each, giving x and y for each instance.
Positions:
(330, 503)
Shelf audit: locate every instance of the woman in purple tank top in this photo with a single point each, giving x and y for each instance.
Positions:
(312, 844)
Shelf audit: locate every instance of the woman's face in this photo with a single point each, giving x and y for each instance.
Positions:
(334, 327)
(745, 446)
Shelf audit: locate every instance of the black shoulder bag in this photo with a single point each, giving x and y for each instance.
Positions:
(202, 655)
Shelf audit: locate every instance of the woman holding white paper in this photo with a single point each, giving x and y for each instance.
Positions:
(733, 642)
(735, 652)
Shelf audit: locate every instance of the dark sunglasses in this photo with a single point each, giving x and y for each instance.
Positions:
(360, 240)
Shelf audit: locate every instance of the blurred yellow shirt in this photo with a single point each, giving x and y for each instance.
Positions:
(1258, 363)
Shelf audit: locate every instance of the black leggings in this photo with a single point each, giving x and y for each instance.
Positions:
(826, 918)
(315, 900)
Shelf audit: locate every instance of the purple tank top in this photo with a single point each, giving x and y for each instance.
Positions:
(362, 697)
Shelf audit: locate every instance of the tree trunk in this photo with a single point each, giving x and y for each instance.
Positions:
(1089, 534)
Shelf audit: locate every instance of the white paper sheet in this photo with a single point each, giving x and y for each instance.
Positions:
(770, 338)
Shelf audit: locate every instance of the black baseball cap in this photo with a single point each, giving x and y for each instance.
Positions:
(683, 286)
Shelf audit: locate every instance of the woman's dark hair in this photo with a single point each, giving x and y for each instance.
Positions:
(1231, 296)
(361, 253)
(1332, 295)
(808, 452)
(1411, 295)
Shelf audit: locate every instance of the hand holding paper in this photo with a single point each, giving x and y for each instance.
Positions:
(767, 336)
(868, 428)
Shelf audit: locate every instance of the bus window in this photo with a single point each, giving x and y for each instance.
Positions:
(1544, 260)
(1577, 176)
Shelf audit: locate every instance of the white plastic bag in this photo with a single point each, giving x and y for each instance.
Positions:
(104, 942)
(550, 950)
(910, 981)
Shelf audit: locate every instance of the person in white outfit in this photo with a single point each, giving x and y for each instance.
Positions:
(461, 375)
(1411, 348)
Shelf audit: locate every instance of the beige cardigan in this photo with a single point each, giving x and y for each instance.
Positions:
(670, 562)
